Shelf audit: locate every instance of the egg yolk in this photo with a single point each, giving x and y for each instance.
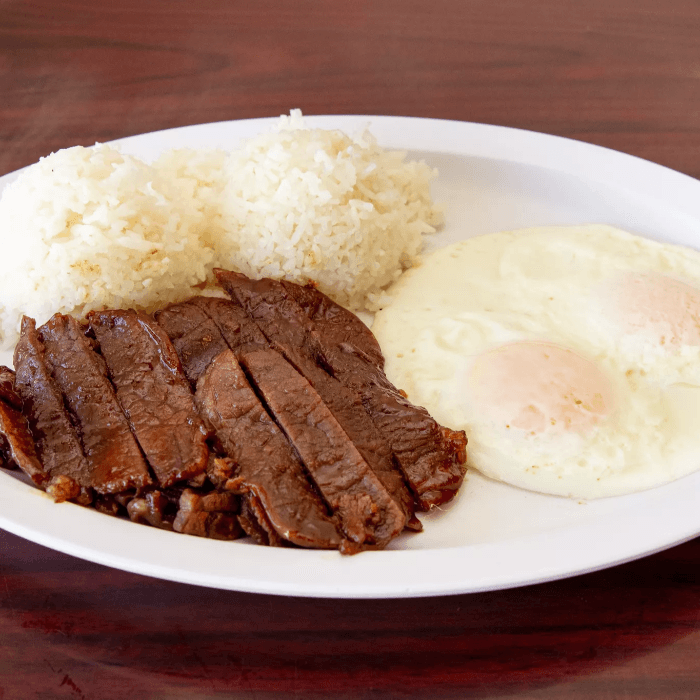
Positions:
(540, 387)
(659, 307)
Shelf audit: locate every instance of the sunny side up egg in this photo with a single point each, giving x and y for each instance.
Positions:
(570, 356)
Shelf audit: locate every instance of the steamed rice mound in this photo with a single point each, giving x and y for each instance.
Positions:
(89, 228)
(312, 204)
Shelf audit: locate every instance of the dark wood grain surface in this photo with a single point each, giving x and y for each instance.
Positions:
(618, 73)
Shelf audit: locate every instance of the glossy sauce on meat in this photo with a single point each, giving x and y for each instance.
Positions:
(153, 392)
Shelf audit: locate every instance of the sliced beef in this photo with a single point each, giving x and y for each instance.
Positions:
(115, 461)
(285, 324)
(202, 327)
(212, 515)
(215, 325)
(367, 513)
(153, 392)
(335, 325)
(431, 457)
(342, 464)
(195, 337)
(267, 468)
(347, 408)
(7, 388)
(240, 333)
(269, 305)
(198, 348)
(56, 440)
(16, 443)
(179, 319)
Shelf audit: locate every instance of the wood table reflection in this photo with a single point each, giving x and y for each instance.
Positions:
(623, 74)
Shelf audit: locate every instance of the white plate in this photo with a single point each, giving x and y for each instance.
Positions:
(493, 536)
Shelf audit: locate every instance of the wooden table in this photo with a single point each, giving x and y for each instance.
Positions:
(619, 73)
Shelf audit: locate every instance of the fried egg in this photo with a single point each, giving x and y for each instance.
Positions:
(570, 356)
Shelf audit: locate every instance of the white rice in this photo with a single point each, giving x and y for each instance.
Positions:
(90, 228)
(310, 204)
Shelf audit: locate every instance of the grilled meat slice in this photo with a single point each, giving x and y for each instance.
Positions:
(153, 393)
(16, 443)
(56, 440)
(115, 461)
(202, 327)
(266, 465)
(225, 467)
(335, 325)
(238, 330)
(432, 457)
(367, 513)
(195, 337)
(177, 320)
(198, 348)
(188, 327)
(347, 408)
